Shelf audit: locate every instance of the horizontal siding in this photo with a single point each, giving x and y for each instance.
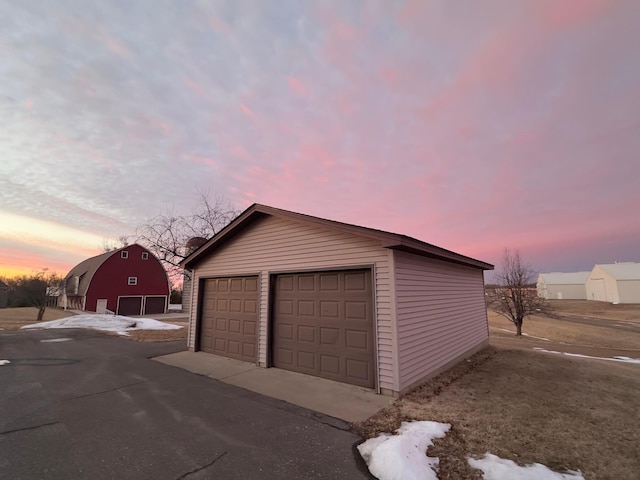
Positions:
(273, 245)
(441, 314)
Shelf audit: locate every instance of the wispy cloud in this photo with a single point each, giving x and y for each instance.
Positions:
(468, 125)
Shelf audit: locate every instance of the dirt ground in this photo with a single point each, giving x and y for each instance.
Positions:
(14, 318)
(528, 406)
(162, 335)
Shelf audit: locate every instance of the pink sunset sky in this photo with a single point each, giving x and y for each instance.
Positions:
(469, 125)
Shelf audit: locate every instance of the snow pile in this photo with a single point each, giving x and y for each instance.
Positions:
(110, 323)
(403, 456)
(579, 355)
(526, 335)
(496, 468)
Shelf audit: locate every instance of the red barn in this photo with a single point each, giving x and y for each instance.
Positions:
(127, 281)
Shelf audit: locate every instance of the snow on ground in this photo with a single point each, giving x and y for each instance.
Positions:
(614, 359)
(403, 456)
(526, 335)
(110, 323)
(496, 468)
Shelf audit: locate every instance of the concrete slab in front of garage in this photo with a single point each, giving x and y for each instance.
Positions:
(339, 400)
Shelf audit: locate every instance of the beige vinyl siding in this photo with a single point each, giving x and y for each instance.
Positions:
(441, 314)
(275, 245)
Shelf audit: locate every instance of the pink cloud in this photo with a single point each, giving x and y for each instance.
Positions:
(194, 86)
(571, 14)
(220, 25)
(200, 159)
(247, 111)
(296, 86)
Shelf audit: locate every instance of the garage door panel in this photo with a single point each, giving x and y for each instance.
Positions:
(230, 318)
(323, 325)
(129, 306)
(154, 304)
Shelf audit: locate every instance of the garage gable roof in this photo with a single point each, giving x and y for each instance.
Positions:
(387, 239)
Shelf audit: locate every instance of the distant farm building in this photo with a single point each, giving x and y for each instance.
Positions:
(615, 283)
(568, 286)
(127, 281)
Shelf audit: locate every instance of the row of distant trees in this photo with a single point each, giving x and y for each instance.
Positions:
(31, 290)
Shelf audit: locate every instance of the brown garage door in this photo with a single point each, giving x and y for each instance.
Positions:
(130, 306)
(154, 305)
(323, 325)
(229, 323)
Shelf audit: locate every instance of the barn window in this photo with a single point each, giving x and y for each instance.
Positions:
(124, 254)
(133, 280)
(145, 256)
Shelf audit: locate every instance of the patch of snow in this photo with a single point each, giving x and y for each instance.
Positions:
(614, 359)
(496, 468)
(110, 323)
(526, 335)
(175, 307)
(4, 362)
(403, 456)
(56, 340)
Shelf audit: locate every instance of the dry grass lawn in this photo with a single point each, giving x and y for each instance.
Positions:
(161, 335)
(628, 312)
(14, 318)
(528, 406)
(565, 332)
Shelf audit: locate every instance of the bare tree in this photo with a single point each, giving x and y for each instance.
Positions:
(166, 235)
(32, 290)
(514, 296)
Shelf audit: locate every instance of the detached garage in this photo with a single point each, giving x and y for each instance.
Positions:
(352, 304)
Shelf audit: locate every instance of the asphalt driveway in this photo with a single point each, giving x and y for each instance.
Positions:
(80, 404)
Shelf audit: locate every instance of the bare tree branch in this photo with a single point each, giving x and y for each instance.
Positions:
(166, 235)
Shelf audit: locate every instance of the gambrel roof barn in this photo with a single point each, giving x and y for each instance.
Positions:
(126, 281)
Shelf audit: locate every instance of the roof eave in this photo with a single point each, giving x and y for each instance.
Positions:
(386, 239)
(431, 251)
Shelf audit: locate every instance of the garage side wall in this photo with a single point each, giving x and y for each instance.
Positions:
(441, 313)
(275, 245)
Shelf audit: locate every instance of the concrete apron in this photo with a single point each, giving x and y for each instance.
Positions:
(339, 400)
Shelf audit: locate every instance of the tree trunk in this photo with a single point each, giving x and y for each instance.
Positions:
(519, 328)
(41, 313)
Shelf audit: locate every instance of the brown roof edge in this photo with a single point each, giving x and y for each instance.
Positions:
(387, 239)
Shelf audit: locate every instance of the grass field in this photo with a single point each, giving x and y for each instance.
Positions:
(14, 318)
(527, 406)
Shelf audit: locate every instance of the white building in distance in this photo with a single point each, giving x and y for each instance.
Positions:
(614, 283)
(568, 286)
